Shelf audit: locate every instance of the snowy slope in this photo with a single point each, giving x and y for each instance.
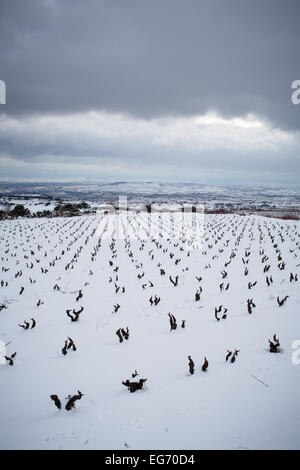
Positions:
(252, 403)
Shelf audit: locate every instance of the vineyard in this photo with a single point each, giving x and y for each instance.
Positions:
(143, 332)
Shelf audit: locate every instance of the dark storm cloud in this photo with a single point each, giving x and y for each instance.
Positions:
(151, 58)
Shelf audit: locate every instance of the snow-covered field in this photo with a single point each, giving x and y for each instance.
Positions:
(252, 403)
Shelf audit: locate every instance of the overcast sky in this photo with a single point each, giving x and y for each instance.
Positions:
(183, 90)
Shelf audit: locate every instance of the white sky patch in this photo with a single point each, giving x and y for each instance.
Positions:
(207, 131)
(249, 121)
(211, 131)
(115, 143)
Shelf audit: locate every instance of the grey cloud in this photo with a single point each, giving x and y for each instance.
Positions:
(38, 151)
(164, 57)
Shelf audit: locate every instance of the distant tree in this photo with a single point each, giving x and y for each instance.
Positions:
(83, 205)
(47, 213)
(44, 213)
(20, 211)
(69, 207)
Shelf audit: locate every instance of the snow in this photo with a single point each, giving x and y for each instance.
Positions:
(33, 205)
(250, 404)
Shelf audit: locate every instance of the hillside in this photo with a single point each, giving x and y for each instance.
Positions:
(252, 403)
